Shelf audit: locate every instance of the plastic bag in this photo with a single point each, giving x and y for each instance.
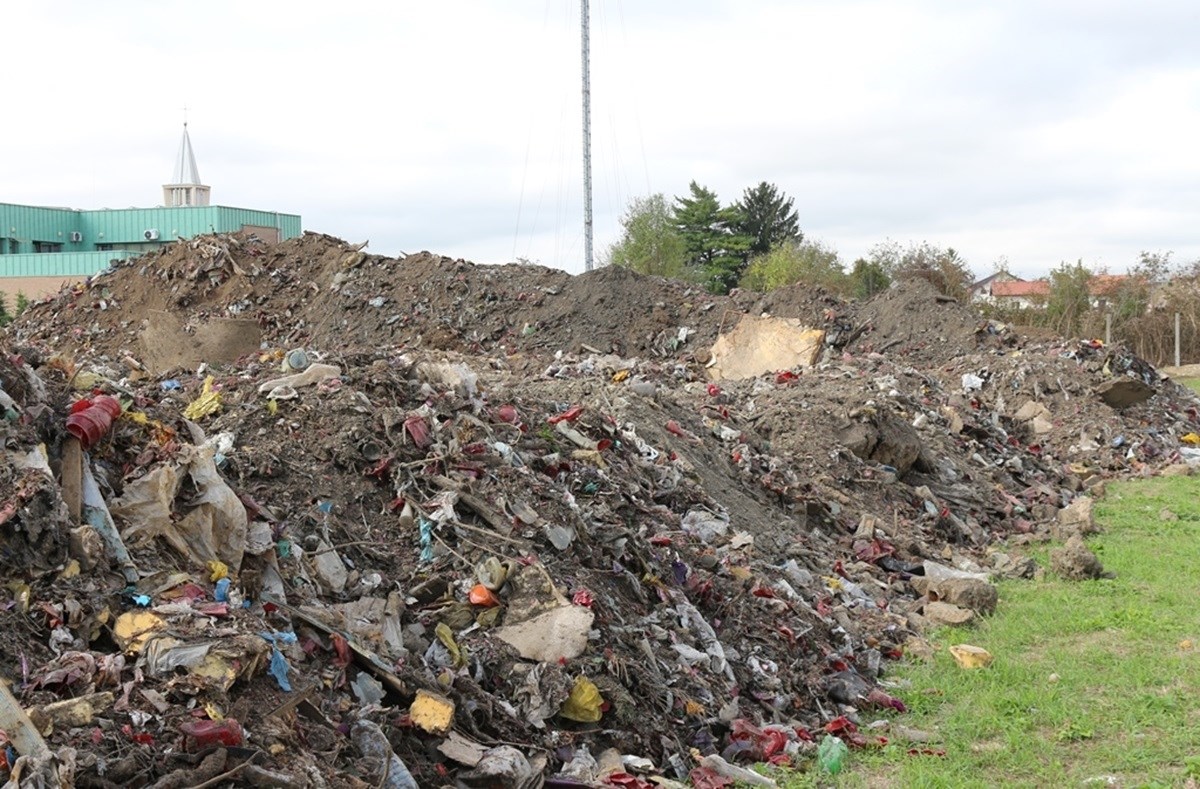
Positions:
(831, 754)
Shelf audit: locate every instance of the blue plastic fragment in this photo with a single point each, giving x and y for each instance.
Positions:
(221, 593)
(279, 667)
(426, 527)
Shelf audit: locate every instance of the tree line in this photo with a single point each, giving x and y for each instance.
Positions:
(755, 242)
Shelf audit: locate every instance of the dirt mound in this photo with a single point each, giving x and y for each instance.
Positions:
(319, 291)
(492, 507)
(911, 320)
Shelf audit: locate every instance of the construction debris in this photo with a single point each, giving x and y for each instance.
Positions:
(433, 523)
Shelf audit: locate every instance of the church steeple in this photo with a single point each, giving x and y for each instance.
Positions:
(186, 190)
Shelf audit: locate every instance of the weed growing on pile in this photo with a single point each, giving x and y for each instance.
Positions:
(1090, 679)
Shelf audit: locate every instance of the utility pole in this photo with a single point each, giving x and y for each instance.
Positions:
(587, 142)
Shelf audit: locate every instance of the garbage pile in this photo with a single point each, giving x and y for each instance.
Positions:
(298, 515)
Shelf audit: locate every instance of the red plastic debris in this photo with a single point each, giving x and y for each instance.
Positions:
(786, 377)
(202, 734)
(713, 390)
(583, 597)
(418, 429)
(570, 415)
(627, 780)
(508, 414)
(704, 778)
(91, 419)
(342, 648)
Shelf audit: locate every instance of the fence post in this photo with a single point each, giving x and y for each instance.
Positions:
(1177, 339)
(1108, 328)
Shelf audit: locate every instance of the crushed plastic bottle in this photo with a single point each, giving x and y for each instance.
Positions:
(831, 754)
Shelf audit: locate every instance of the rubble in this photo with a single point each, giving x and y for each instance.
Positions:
(445, 524)
(1075, 562)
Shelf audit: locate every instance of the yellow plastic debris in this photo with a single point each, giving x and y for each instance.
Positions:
(162, 433)
(583, 704)
(272, 407)
(134, 628)
(693, 708)
(209, 402)
(1187, 645)
(70, 571)
(87, 380)
(446, 636)
(971, 657)
(22, 595)
(1191, 438)
(432, 712)
(217, 570)
(619, 376)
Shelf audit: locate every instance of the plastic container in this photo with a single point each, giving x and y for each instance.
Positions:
(91, 420)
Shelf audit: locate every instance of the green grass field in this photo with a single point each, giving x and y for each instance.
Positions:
(1191, 383)
(1092, 681)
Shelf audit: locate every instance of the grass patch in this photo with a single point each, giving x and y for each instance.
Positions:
(1090, 679)
(1190, 383)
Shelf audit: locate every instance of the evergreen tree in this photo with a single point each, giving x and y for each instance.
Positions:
(768, 218)
(716, 251)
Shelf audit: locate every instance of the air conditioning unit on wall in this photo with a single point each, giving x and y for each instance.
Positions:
(151, 235)
(76, 236)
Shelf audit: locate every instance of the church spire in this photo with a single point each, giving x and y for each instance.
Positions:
(186, 189)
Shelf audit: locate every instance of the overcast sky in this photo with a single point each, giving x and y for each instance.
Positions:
(1036, 130)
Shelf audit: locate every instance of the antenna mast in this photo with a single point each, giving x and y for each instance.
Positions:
(587, 142)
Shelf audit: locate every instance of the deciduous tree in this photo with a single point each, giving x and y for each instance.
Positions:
(791, 262)
(650, 242)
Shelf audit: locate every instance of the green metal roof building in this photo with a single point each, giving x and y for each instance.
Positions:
(50, 245)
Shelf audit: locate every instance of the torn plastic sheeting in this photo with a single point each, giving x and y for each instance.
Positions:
(426, 531)
(692, 619)
(584, 703)
(367, 689)
(313, 374)
(207, 403)
(561, 632)
(162, 656)
(373, 744)
(704, 525)
(279, 667)
(97, 515)
(215, 528)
